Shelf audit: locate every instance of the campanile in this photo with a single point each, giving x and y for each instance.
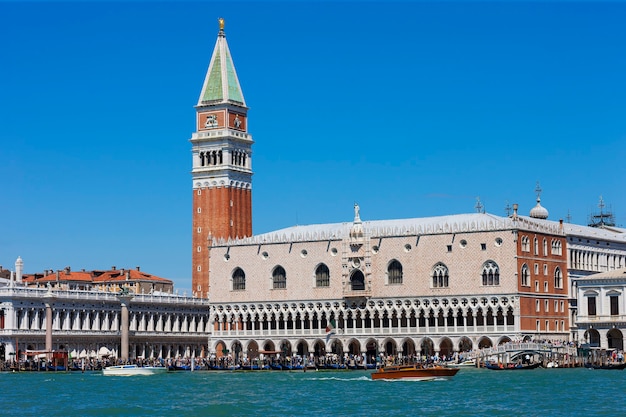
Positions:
(222, 163)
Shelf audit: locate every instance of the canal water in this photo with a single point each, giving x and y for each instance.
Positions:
(472, 392)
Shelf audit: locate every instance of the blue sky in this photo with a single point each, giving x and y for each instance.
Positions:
(411, 109)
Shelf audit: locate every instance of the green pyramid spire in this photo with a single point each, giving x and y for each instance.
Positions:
(221, 84)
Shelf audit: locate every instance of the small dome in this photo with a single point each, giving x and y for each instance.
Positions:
(539, 212)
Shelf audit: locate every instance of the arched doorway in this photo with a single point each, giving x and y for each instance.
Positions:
(237, 351)
(285, 348)
(268, 346)
(390, 347)
(408, 347)
(445, 348)
(354, 348)
(302, 348)
(253, 350)
(465, 344)
(484, 342)
(503, 340)
(336, 347)
(371, 350)
(319, 349)
(615, 339)
(593, 337)
(427, 347)
(220, 350)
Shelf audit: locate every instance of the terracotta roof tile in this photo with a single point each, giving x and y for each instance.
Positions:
(95, 276)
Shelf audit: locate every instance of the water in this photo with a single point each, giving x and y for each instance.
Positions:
(472, 392)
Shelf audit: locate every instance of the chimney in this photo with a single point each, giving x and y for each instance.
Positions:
(67, 270)
(138, 269)
(515, 206)
(561, 225)
(113, 268)
(127, 275)
(58, 276)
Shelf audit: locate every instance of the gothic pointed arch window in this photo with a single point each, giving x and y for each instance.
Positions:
(394, 272)
(525, 276)
(322, 276)
(558, 278)
(440, 276)
(525, 244)
(239, 280)
(491, 273)
(357, 281)
(279, 278)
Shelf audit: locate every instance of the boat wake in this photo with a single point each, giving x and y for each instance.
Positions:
(422, 379)
(334, 378)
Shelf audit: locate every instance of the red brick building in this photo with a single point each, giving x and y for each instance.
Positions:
(222, 163)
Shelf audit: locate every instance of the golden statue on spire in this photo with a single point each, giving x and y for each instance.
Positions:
(221, 21)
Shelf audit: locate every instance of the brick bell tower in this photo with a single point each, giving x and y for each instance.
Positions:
(222, 163)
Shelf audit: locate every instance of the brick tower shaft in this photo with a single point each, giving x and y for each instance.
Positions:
(222, 163)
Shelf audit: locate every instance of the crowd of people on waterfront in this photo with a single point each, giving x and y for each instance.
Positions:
(227, 362)
(275, 361)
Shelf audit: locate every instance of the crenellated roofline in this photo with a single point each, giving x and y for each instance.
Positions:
(460, 223)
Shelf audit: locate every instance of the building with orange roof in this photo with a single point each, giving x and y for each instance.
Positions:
(113, 280)
(84, 314)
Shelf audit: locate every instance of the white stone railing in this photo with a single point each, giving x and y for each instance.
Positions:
(602, 318)
(219, 133)
(202, 335)
(360, 332)
(523, 346)
(40, 293)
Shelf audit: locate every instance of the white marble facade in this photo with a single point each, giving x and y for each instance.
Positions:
(284, 303)
(161, 326)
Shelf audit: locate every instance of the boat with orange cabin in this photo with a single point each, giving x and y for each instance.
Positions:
(414, 372)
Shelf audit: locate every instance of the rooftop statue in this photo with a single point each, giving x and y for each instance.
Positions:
(357, 213)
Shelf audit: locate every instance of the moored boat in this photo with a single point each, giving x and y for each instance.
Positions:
(615, 366)
(466, 363)
(511, 366)
(130, 370)
(414, 372)
(184, 368)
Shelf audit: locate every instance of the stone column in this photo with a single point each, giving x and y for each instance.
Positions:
(124, 326)
(48, 298)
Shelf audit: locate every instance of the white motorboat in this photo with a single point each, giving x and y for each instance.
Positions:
(466, 363)
(130, 370)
